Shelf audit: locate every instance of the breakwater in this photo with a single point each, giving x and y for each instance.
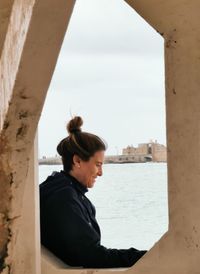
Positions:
(112, 159)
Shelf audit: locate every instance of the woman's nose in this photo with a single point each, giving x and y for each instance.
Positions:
(100, 171)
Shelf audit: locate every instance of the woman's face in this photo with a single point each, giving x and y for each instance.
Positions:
(90, 170)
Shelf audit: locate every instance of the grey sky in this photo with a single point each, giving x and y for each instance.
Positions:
(111, 72)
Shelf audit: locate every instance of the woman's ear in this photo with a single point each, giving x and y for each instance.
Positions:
(77, 161)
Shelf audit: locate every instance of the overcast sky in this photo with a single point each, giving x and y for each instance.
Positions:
(110, 71)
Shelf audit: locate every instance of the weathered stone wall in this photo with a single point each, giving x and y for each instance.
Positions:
(140, 150)
(129, 150)
(159, 153)
(35, 31)
(5, 12)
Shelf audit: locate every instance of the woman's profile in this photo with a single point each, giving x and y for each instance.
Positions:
(69, 228)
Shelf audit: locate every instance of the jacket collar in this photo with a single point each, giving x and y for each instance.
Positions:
(83, 189)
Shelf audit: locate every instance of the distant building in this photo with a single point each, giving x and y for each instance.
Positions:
(157, 152)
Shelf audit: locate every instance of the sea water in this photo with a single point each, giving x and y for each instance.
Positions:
(131, 203)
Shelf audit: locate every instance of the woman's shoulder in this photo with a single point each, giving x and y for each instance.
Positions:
(57, 184)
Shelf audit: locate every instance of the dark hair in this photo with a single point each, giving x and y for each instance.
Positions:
(79, 143)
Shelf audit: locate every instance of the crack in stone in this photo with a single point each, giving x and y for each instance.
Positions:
(23, 114)
(21, 132)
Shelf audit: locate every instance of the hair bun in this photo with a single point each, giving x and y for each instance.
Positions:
(74, 125)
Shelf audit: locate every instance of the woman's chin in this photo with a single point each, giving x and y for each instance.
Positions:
(91, 184)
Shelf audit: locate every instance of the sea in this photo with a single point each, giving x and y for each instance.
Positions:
(131, 203)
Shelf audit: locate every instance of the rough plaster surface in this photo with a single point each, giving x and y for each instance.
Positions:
(11, 52)
(27, 257)
(5, 11)
(30, 50)
(12, 48)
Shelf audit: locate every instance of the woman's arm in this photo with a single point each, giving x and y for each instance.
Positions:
(72, 238)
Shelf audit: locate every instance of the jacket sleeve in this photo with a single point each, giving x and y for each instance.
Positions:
(76, 242)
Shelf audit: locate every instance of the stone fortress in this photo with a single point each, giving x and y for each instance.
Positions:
(146, 152)
(31, 35)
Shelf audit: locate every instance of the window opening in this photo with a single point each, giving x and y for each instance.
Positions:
(111, 72)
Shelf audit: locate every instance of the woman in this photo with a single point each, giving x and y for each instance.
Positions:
(68, 225)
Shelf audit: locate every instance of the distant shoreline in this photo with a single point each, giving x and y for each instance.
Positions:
(112, 159)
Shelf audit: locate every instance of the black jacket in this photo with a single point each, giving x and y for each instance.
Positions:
(69, 228)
